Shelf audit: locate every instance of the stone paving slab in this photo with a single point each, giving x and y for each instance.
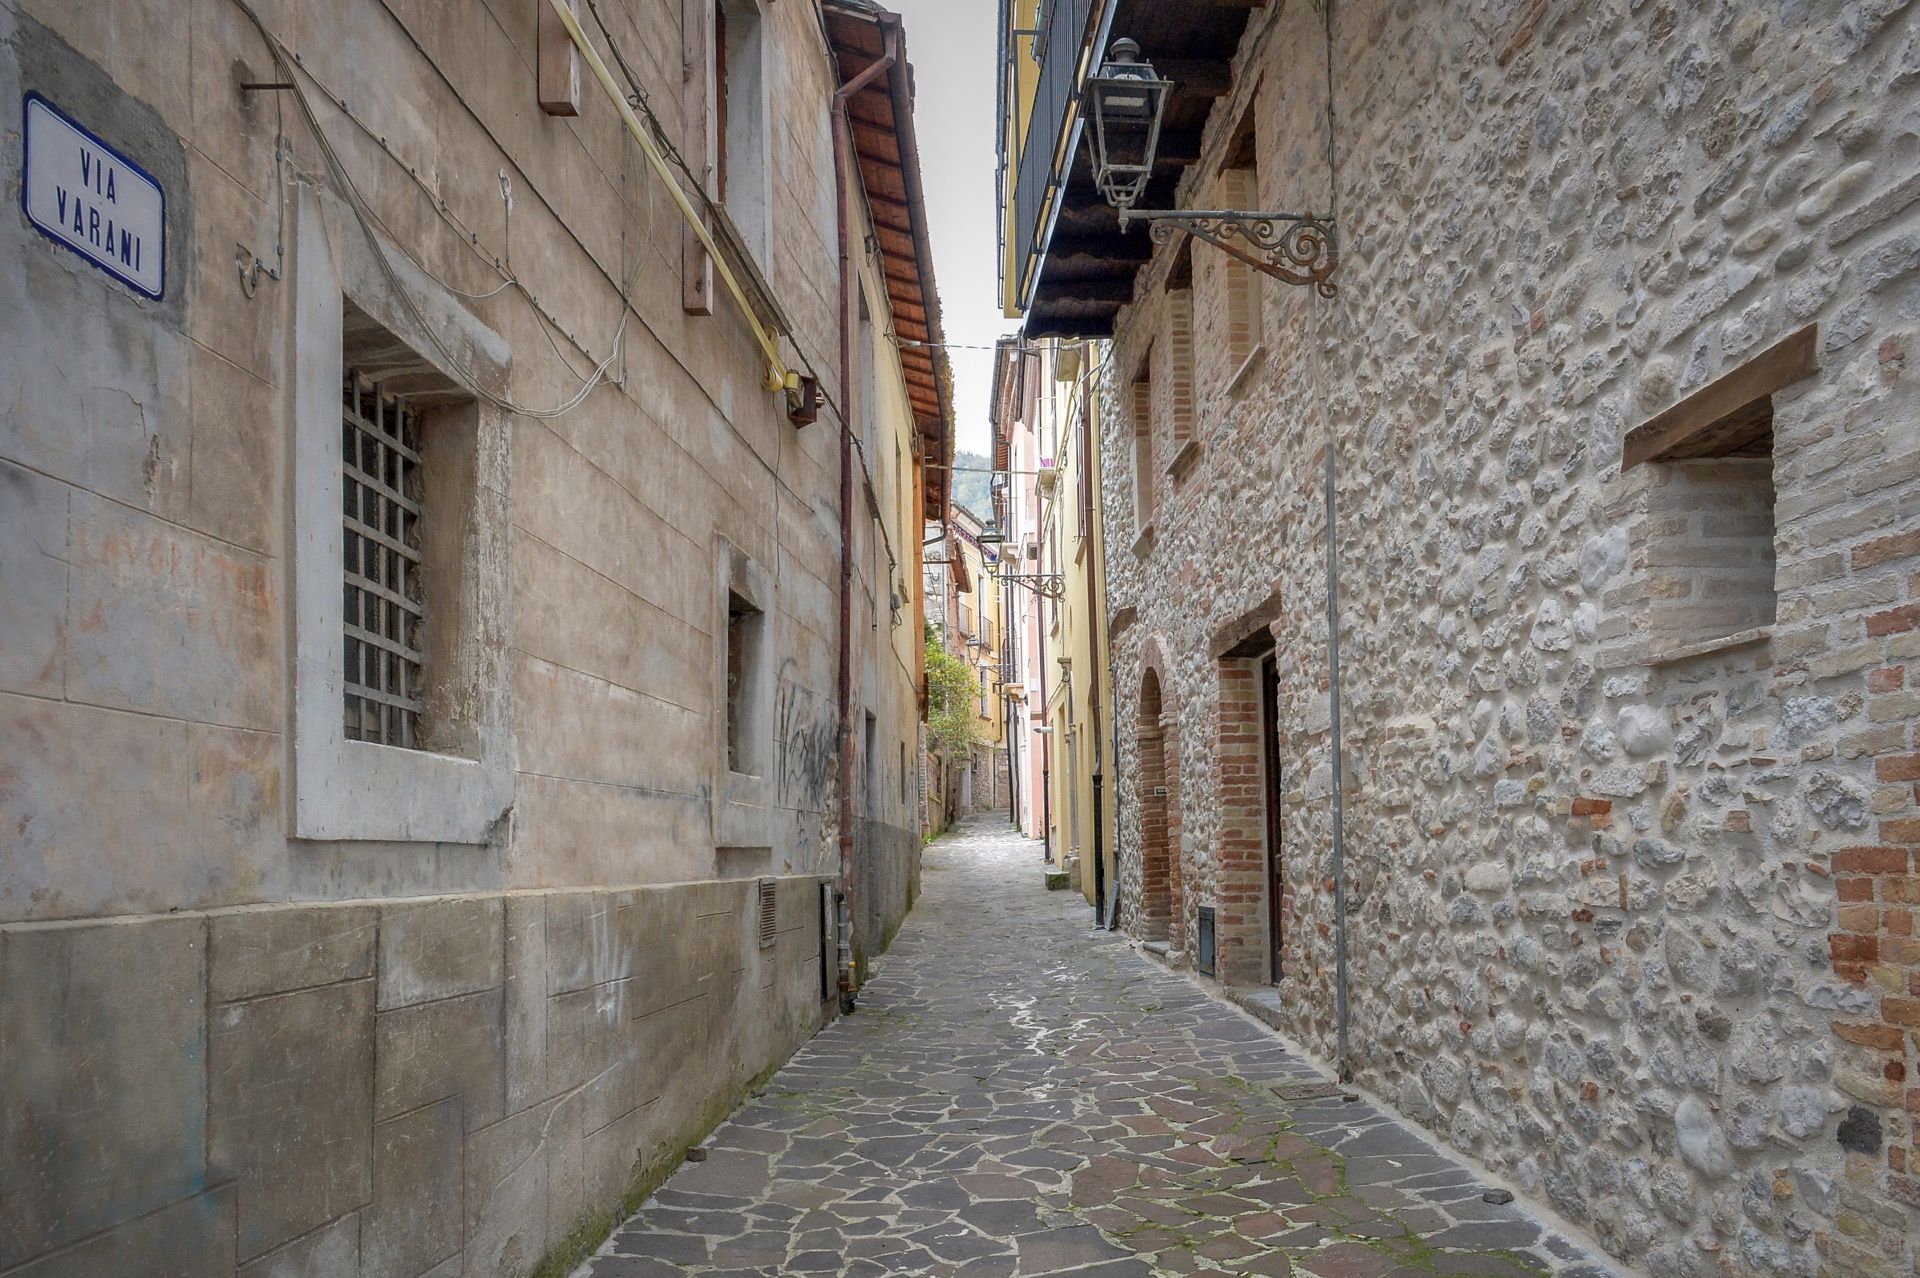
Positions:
(1021, 1094)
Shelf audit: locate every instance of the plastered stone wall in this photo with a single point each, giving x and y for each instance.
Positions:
(146, 456)
(225, 1047)
(1637, 934)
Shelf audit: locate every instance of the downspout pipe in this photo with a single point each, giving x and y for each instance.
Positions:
(1008, 647)
(1046, 746)
(842, 126)
(1101, 873)
(1339, 761)
(1093, 667)
(1339, 864)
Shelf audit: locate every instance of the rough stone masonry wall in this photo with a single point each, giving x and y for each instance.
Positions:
(1639, 935)
(456, 1085)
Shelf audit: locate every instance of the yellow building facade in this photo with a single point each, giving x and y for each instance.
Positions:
(1046, 446)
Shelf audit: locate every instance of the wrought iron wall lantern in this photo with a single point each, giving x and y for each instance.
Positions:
(1127, 101)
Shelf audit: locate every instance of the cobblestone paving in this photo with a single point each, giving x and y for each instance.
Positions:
(1019, 1094)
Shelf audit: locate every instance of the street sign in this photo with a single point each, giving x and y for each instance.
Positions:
(83, 194)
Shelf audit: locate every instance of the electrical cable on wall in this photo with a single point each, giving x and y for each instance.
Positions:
(373, 227)
(368, 220)
(637, 99)
(363, 217)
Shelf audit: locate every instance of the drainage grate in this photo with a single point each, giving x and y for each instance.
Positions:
(769, 911)
(1306, 1091)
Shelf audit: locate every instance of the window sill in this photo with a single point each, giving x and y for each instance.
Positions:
(1183, 461)
(1705, 647)
(1143, 544)
(1255, 357)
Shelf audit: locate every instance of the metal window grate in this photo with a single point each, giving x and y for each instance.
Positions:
(1204, 936)
(769, 911)
(380, 506)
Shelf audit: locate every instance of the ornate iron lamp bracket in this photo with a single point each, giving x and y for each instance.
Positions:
(1048, 585)
(1297, 248)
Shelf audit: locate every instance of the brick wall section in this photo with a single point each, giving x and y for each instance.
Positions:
(1179, 368)
(1239, 884)
(1709, 550)
(1240, 284)
(1155, 893)
(1606, 930)
(1144, 464)
(1158, 896)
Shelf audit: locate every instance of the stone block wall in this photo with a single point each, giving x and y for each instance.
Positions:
(1629, 923)
(150, 656)
(434, 1027)
(889, 883)
(444, 1086)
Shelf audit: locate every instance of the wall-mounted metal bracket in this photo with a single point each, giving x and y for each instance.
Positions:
(1048, 585)
(1297, 248)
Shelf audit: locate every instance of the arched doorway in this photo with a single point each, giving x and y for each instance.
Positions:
(1159, 806)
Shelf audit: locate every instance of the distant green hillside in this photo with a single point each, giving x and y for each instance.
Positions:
(970, 484)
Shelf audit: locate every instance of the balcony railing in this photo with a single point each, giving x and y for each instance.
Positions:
(1063, 37)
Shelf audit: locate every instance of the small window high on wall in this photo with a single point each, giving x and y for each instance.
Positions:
(1240, 285)
(745, 624)
(1143, 486)
(743, 176)
(1706, 536)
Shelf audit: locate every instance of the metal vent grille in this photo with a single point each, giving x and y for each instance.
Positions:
(1205, 930)
(769, 911)
(380, 510)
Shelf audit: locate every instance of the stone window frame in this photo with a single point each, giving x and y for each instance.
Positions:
(459, 788)
(742, 802)
(1703, 444)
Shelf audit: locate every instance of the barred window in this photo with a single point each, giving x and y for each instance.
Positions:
(384, 605)
(744, 623)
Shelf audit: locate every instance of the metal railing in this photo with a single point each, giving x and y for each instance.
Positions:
(1062, 40)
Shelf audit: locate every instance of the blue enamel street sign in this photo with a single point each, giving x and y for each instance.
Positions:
(82, 193)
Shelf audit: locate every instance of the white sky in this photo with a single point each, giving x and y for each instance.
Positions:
(951, 44)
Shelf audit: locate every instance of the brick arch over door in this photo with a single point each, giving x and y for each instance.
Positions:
(1158, 785)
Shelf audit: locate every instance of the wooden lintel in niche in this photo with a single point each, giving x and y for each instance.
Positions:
(1731, 416)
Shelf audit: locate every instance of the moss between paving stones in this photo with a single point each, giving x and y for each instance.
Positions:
(1406, 1249)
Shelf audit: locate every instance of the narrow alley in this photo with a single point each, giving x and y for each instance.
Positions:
(960, 637)
(1021, 1094)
